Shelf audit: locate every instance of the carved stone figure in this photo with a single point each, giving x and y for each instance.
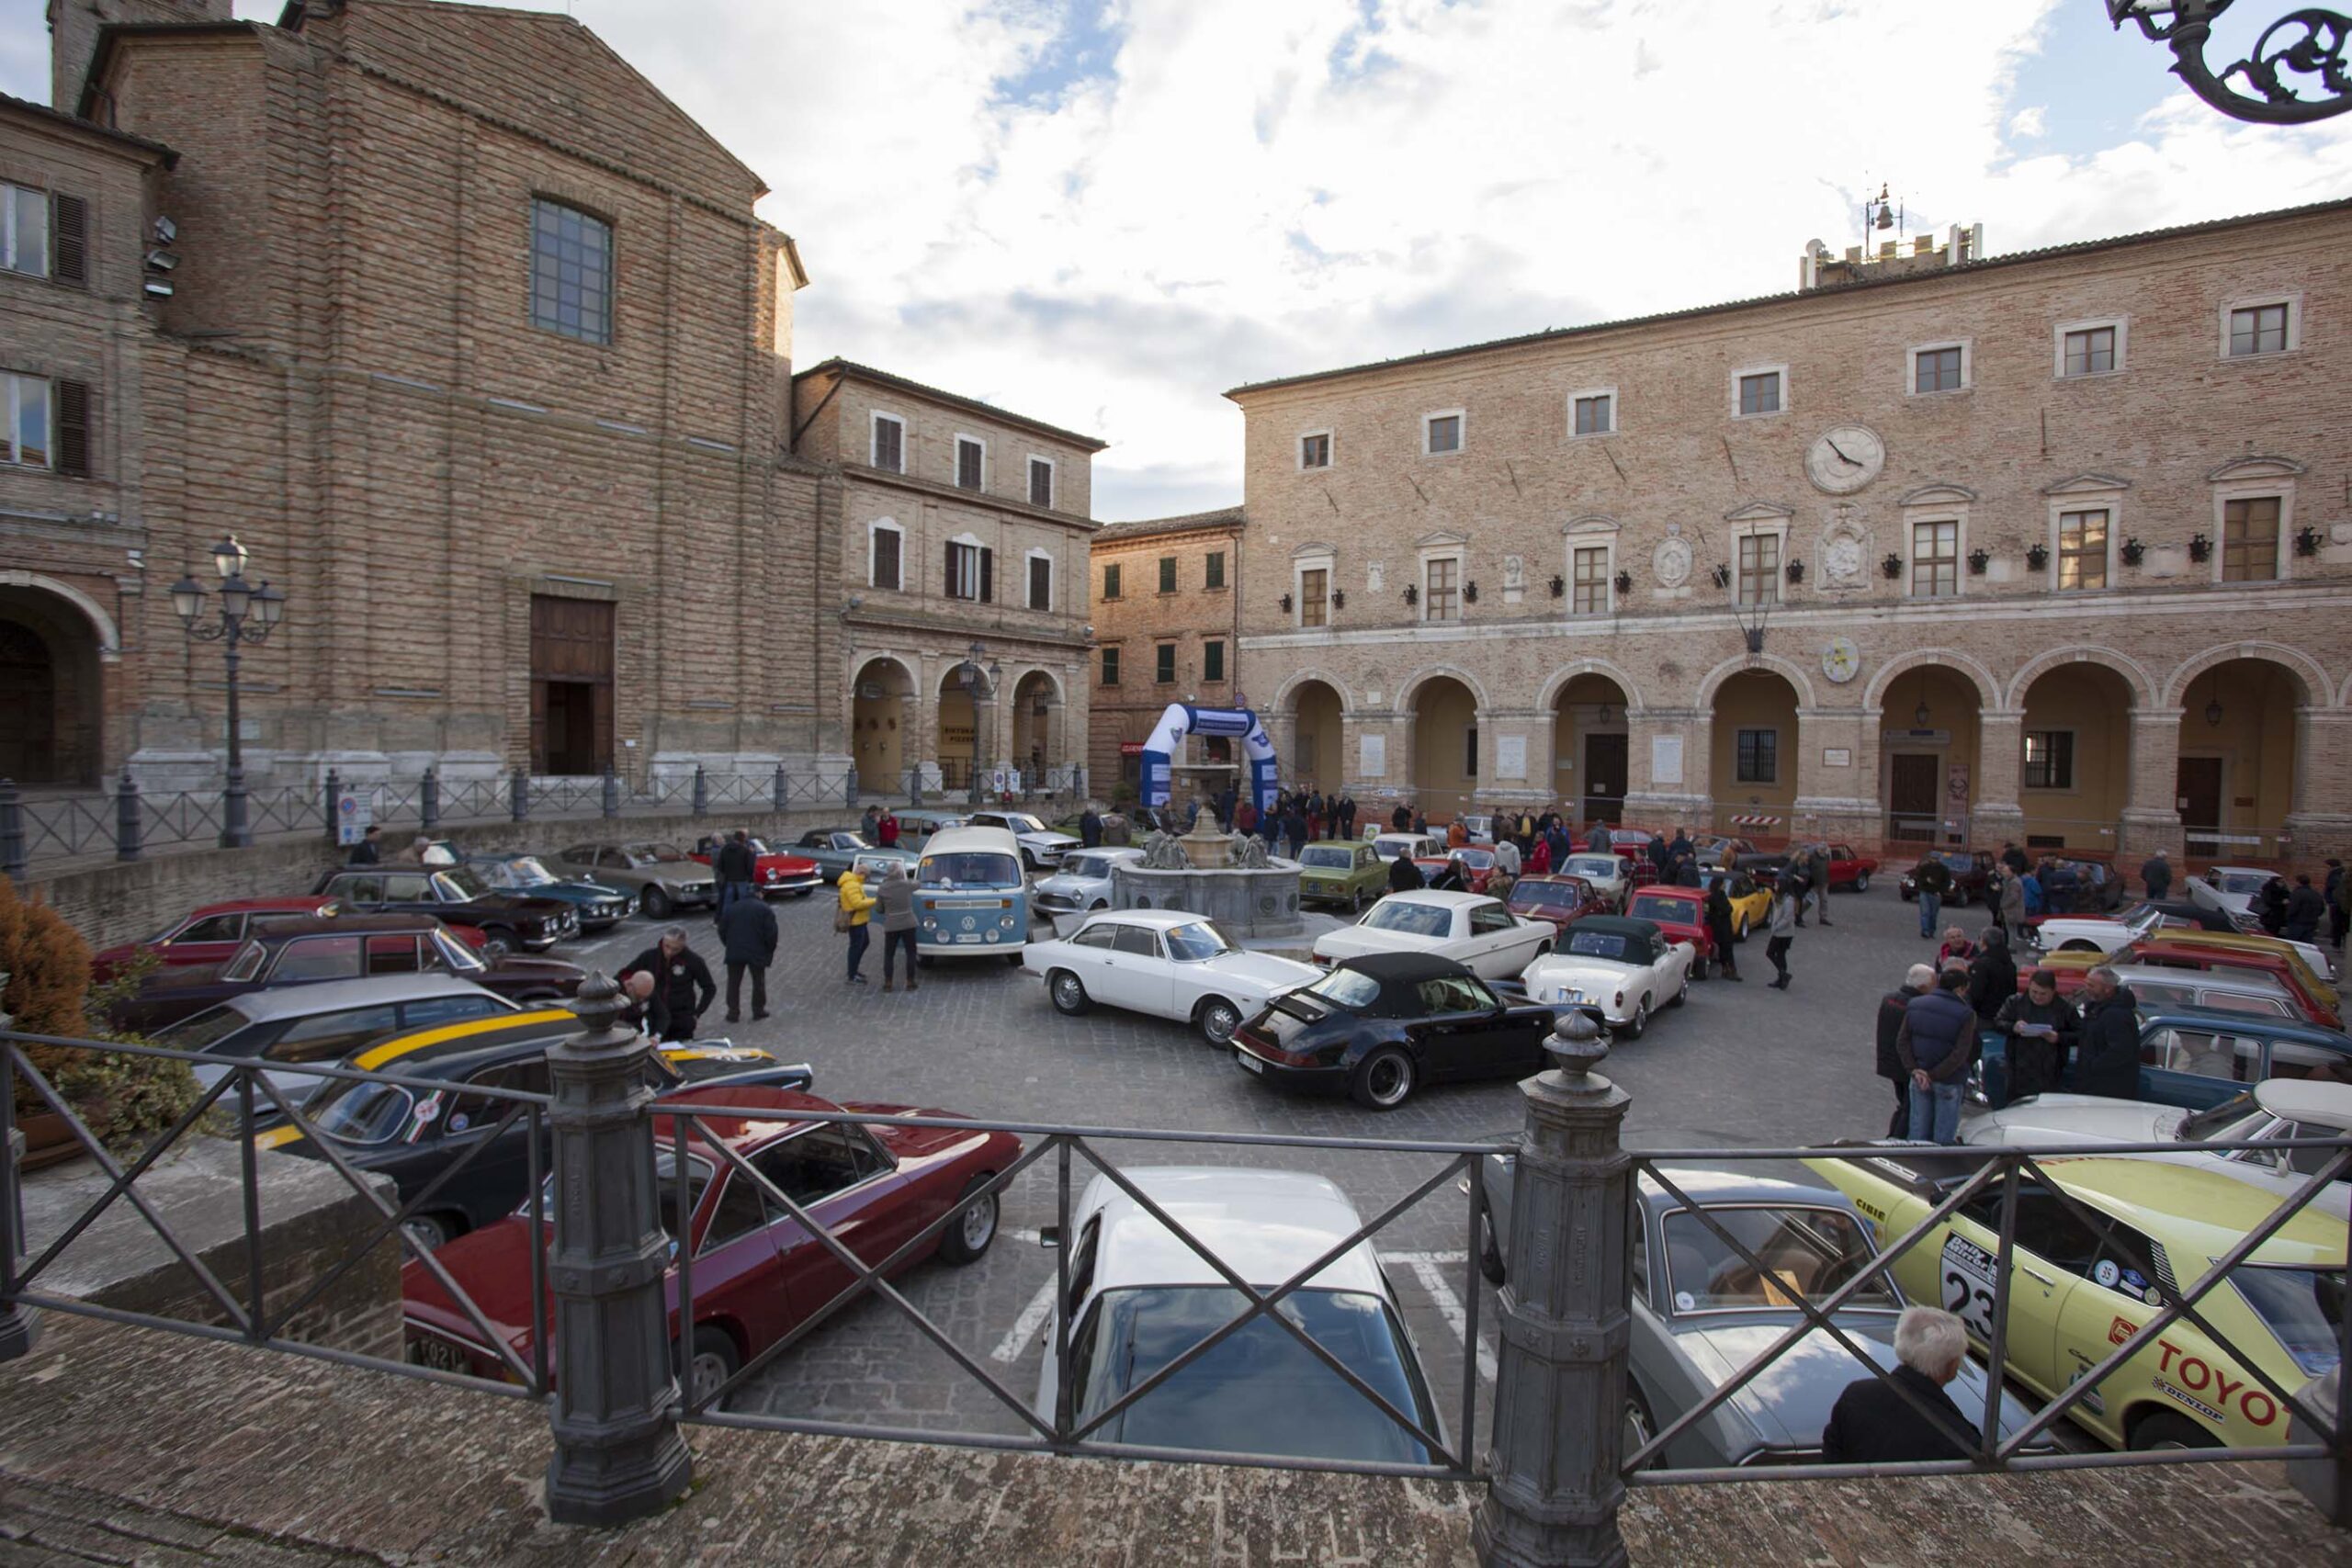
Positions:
(1163, 852)
(1249, 852)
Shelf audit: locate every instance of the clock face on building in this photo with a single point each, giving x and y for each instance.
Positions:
(1844, 458)
(1840, 660)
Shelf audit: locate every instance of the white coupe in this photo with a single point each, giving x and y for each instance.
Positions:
(2277, 1110)
(1167, 963)
(2112, 934)
(1612, 875)
(1470, 928)
(1622, 970)
(1413, 846)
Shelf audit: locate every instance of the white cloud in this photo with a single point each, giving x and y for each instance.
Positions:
(2029, 122)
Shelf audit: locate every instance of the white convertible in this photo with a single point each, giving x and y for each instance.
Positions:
(2278, 1110)
(1624, 970)
(1470, 928)
(1167, 963)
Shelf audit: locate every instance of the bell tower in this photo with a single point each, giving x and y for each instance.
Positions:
(74, 27)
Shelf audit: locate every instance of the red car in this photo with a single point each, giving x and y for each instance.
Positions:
(1479, 866)
(1554, 896)
(208, 933)
(774, 873)
(757, 1274)
(1848, 869)
(1680, 914)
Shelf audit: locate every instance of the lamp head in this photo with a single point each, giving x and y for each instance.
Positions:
(187, 599)
(228, 558)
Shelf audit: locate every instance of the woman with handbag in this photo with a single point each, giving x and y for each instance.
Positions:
(856, 906)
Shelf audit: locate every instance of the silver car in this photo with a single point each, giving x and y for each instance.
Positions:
(1701, 1312)
(1083, 882)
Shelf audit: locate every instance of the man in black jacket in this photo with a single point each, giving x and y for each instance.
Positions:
(2042, 1028)
(1992, 975)
(737, 869)
(1719, 931)
(2156, 872)
(682, 978)
(2107, 1059)
(2305, 910)
(748, 928)
(1873, 1424)
(1404, 877)
(1918, 982)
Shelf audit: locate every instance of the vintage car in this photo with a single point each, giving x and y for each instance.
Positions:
(209, 933)
(1620, 969)
(1139, 1297)
(834, 847)
(1561, 899)
(600, 906)
(2216, 989)
(1680, 915)
(304, 950)
(2274, 1110)
(2115, 934)
(1701, 1311)
(2077, 885)
(2165, 958)
(2080, 1286)
(1477, 931)
(774, 873)
(917, 825)
(323, 1023)
(458, 894)
(1340, 871)
(1751, 905)
(1413, 846)
(1042, 848)
(1846, 869)
(1969, 869)
(662, 876)
(758, 1272)
(2236, 886)
(417, 1136)
(1479, 866)
(1083, 882)
(1378, 1027)
(1165, 963)
(2199, 1055)
(2255, 949)
(1610, 876)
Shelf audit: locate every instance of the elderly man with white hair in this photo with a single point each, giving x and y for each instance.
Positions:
(1873, 1424)
(1891, 1008)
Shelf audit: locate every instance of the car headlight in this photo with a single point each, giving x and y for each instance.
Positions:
(1006, 922)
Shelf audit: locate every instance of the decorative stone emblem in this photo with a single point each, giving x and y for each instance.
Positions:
(1374, 576)
(1514, 573)
(1840, 660)
(1844, 549)
(1672, 561)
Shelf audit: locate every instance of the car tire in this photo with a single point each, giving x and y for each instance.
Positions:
(1384, 1079)
(1698, 968)
(2165, 1430)
(1684, 994)
(430, 1232)
(1739, 933)
(1908, 897)
(1013, 959)
(2078, 946)
(1098, 904)
(1640, 1427)
(1640, 1023)
(1356, 900)
(1491, 1256)
(711, 1361)
(497, 941)
(1067, 993)
(1218, 1019)
(969, 1234)
(804, 893)
(656, 904)
(1863, 883)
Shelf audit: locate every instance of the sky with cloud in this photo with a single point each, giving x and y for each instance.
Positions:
(1104, 213)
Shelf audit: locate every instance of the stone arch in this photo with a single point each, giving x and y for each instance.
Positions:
(1988, 689)
(1793, 674)
(2319, 687)
(1287, 692)
(1566, 673)
(884, 726)
(1428, 673)
(109, 638)
(2135, 674)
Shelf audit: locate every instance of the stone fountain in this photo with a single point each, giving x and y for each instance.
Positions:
(1229, 877)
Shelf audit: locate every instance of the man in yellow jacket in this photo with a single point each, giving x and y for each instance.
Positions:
(857, 905)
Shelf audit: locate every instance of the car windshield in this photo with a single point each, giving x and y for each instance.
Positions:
(1474, 858)
(2202, 1126)
(245, 963)
(1331, 857)
(1346, 988)
(1953, 860)
(1199, 941)
(1087, 866)
(523, 871)
(461, 882)
(1023, 824)
(201, 1031)
(456, 956)
(976, 868)
(2304, 1307)
(1570, 893)
(851, 841)
(367, 1112)
(1260, 1390)
(1807, 1251)
(2241, 881)
(1601, 867)
(1414, 920)
(1653, 908)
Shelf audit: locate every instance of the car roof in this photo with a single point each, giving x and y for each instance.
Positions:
(2208, 1212)
(345, 925)
(2311, 1101)
(970, 840)
(1618, 925)
(286, 906)
(1403, 968)
(1263, 1225)
(1441, 897)
(334, 996)
(448, 1048)
(767, 1113)
(1734, 1184)
(1159, 920)
(1670, 890)
(2217, 1019)
(2174, 975)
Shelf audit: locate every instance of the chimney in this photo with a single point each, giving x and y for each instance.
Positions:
(75, 24)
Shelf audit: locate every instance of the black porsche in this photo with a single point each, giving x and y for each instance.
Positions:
(1378, 1027)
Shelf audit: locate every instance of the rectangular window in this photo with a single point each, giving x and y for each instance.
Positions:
(886, 557)
(1168, 574)
(1442, 433)
(1213, 660)
(1759, 569)
(1110, 582)
(1591, 586)
(969, 567)
(2082, 549)
(1111, 666)
(1163, 664)
(1041, 584)
(1041, 482)
(1314, 597)
(1314, 451)
(1761, 393)
(2250, 539)
(2090, 352)
(1937, 370)
(971, 458)
(1759, 756)
(1596, 415)
(1935, 559)
(25, 441)
(1213, 575)
(571, 273)
(1470, 752)
(24, 231)
(889, 444)
(2258, 329)
(2050, 759)
(1442, 595)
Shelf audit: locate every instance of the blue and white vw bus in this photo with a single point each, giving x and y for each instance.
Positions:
(971, 896)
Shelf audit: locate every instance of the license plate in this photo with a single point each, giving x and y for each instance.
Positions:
(1247, 1060)
(969, 936)
(440, 1355)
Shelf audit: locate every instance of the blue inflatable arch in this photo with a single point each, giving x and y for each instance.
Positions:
(1182, 720)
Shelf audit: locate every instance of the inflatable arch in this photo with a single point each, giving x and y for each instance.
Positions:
(1182, 720)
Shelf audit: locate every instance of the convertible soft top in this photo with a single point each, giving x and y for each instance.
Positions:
(1619, 925)
(1400, 976)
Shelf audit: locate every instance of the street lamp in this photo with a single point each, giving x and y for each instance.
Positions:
(246, 614)
(2309, 43)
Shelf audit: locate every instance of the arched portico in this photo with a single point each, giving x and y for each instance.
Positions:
(882, 723)
(52, 644)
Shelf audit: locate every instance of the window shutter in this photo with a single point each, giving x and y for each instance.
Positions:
(69, 225)
(951, 571)
(988, 575)
(73, 428)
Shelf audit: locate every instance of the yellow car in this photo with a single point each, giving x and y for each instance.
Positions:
(1751, 907)
(2076, 1292)
(2254, 942)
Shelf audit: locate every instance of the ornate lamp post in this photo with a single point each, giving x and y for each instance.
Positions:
(2309, 43)
(247, 615)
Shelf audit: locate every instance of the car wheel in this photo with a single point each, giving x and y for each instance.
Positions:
(431, 1233)
(973, 1228)
(1098, 904)
(1490, 1257)
(1068, 993)
(498, 943)
(1739, 933)
(1684, 994)
(2078, 946)
(1639, 1429)
(922, 960)
(1013, 959)
(712, 1361)
(2165, 1430)
(1218, 1020)
(656, 904)
(1543, 949)
(1862, 881)
(1640, 1023)
(1385, 1080)
(1356, 900)
(1698, 968)
(804, 893)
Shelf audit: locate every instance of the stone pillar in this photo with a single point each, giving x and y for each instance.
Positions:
(1995, 814)
(619, 1455)
(1495, 725)
(2319, 817)
(19, 1325)
(1560, 1385)
(2150, 819)
(1654, 802)
(1837, 767)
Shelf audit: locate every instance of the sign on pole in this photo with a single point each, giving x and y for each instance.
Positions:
(355, 811)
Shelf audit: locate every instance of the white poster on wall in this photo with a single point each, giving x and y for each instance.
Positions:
(1374, 760)
(1666, 759)
(1510, 756)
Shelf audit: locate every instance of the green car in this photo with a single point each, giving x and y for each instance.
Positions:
(1340, 871)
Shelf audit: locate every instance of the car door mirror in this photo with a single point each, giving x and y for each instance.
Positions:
(1049, 1236)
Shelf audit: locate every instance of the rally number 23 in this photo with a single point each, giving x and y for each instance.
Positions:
(1968, 1292)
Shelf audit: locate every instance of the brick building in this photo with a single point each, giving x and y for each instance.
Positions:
(476, 343)
(2049, 546)
(959, 524)
(1167, 630)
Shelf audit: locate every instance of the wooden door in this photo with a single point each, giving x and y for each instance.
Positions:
(1604, 777)
(2198, 796)
(1914, 796)
(572, 669)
